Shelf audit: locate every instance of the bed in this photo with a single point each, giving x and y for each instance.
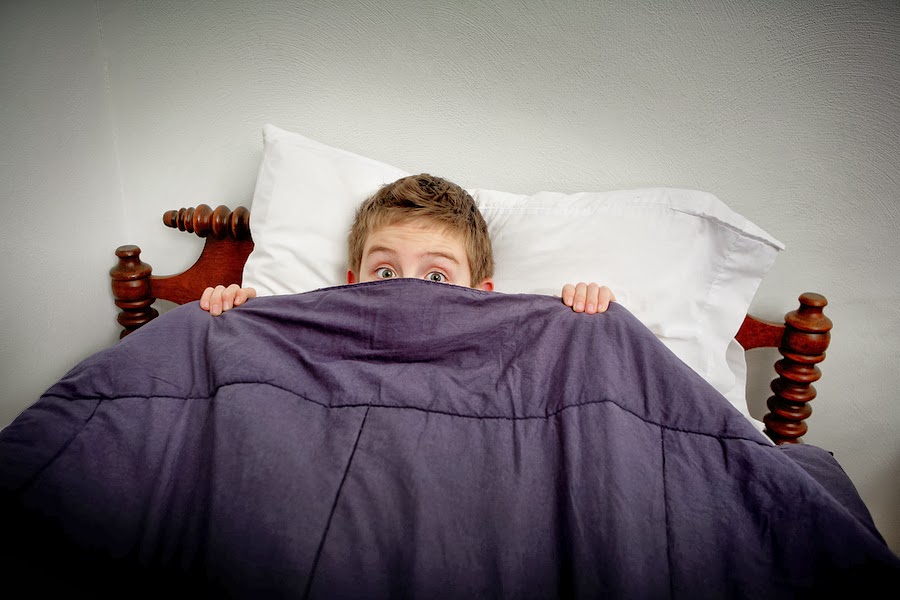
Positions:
(802, 338)
(410, 439)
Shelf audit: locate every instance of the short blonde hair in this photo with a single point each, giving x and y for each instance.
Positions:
(430, 199)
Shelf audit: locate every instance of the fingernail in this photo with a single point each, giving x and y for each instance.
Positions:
(590, 308)
(579, 306)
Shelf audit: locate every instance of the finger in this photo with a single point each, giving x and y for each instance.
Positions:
(215, 301)
(606, 296)
(592, 298)
(204, 298)
(243, 295)
(568, 294)
(580, 294)
(228, 296)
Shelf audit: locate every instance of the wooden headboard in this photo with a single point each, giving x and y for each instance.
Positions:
(802, 339)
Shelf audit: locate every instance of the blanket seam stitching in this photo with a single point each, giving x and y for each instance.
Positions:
(665, 473)
(337, 495)
(439, 412)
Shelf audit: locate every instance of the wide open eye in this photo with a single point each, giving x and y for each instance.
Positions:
(436, 277)
(385, 273)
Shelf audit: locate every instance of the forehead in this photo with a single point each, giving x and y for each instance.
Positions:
(415, 237)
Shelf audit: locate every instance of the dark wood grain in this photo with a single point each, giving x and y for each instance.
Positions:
(227, 246)
(807, 334)
(221, 223)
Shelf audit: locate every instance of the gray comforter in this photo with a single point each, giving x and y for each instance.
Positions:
(410, 439)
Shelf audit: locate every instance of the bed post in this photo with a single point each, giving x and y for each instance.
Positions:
(227, 246)
(806, 336)
(131, 289)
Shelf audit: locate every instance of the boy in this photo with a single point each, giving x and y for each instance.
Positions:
(424, 227)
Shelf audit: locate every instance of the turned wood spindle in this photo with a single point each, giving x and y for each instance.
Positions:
(131, 289)
(806, 337)
(204, 221)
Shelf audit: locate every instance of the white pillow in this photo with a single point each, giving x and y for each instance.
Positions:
(305, 199)
(680, 260)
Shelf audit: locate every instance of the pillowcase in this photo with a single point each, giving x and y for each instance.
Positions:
(303, 206)
(680, 260)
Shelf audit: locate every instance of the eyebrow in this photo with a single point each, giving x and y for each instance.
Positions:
(389, 251)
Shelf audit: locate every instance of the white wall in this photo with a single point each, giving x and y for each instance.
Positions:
(59, 194)
(788, 111)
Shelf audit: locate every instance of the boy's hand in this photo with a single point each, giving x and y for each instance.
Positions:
(589, 298)
(220, 298)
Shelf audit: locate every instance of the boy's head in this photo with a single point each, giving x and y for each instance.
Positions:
(421, 226)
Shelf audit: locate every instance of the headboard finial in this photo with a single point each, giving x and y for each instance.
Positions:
(807, 335)
(131, 289)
